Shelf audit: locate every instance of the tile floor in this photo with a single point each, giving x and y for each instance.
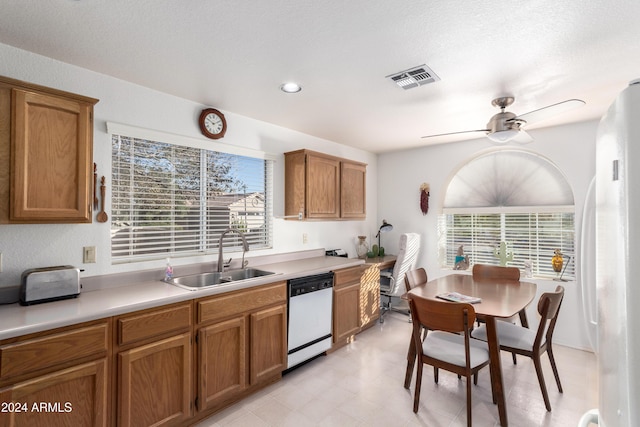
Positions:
(362, 385)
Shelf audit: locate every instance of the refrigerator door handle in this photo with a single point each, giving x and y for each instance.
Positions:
(587, 260)
(590, 417)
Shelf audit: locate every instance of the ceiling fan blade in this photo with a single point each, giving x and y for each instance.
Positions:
(522, 137)
(549, 111)
(455, 133)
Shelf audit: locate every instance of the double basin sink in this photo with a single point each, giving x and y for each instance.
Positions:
(216, 278)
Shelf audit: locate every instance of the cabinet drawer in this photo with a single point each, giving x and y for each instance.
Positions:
(241, 301)
(348, 275)
(153, 323)
(47, 351)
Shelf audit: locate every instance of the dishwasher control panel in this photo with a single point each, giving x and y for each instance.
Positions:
(307, 284)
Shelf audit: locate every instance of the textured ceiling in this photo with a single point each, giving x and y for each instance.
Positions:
(234, 54)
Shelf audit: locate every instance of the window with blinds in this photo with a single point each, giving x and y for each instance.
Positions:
(530, 237)
(514, 196)
(170, 200)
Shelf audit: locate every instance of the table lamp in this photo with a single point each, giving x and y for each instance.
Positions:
(383, 229)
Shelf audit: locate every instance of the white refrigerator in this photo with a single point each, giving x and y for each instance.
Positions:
(617, 221)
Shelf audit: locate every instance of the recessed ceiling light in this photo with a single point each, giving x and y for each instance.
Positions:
(290, 87)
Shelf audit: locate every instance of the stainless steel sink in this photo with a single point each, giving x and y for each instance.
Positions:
(203, 280)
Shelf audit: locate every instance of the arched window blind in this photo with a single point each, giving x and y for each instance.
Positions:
(511, 196)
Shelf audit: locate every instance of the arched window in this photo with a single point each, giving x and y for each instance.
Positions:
(512, 196)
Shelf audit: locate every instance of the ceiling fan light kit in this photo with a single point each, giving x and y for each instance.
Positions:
(505, 126)
(503, 136)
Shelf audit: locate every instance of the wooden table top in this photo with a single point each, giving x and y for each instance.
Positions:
(500, 298)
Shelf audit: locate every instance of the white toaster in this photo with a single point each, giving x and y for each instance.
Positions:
(45, 284)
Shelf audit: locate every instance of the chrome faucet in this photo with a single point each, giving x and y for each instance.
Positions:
(245, 247)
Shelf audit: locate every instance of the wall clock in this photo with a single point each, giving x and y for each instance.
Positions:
(212, 123)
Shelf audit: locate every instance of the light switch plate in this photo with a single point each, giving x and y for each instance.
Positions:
(89, 254)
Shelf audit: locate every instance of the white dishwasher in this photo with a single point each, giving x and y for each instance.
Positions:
(310, 317)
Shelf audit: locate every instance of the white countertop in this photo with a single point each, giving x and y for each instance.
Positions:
(125, 297)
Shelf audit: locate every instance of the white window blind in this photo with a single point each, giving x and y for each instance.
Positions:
(170, 199)
(532, 236)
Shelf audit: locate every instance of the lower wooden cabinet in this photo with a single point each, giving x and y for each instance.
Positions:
(144, 368)
(154, 383)
(346, 303)
(268, 343)
(56, 378)
(369, 297)
(346, 311)
(241, 343)
(222, 362)
(75, 396)
(356, 301)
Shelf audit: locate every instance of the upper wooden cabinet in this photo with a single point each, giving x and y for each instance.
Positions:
(324, 187)
(49, 152)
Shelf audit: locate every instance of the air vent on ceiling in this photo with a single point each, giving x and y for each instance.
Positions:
(414, 77)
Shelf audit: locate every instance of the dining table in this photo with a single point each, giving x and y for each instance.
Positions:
(499, 299)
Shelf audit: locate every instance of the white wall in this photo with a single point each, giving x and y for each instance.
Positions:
(400, 174)
(29, 246)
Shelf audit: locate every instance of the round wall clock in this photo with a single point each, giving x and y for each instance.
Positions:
(212, 123)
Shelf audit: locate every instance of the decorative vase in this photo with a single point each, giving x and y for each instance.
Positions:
(361, 247)
(557, 261)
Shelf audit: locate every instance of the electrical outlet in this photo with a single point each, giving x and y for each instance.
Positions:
(89, 254)
(305, 238)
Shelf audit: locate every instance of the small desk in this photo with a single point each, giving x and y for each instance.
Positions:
(382, 262)
(500, 299)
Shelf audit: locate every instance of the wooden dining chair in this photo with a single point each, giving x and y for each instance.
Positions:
(496, 272)
(412, 279)
(447, 343)
(415, 277)
(531, 343)
(484, 271)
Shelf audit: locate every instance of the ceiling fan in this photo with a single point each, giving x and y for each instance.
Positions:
(506, 126)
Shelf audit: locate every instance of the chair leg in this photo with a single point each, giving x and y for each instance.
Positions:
(469, 401)
(553, 367)
(435, 375)
(416, 398)
(493, 391)
(408, 374)
(543, 386)
(513, 355)
(475, 379)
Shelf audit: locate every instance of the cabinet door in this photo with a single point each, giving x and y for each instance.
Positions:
(75, 396)
(52, 156)
(353, 190)
(323, 187)
(346, 311)
(370, 296)
(268, 343)
(222, 354)
(154, 384)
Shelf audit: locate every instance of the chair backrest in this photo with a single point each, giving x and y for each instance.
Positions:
(405, 261)
(441, 315)
(415, 277)
(548, 307)
(484, 271)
